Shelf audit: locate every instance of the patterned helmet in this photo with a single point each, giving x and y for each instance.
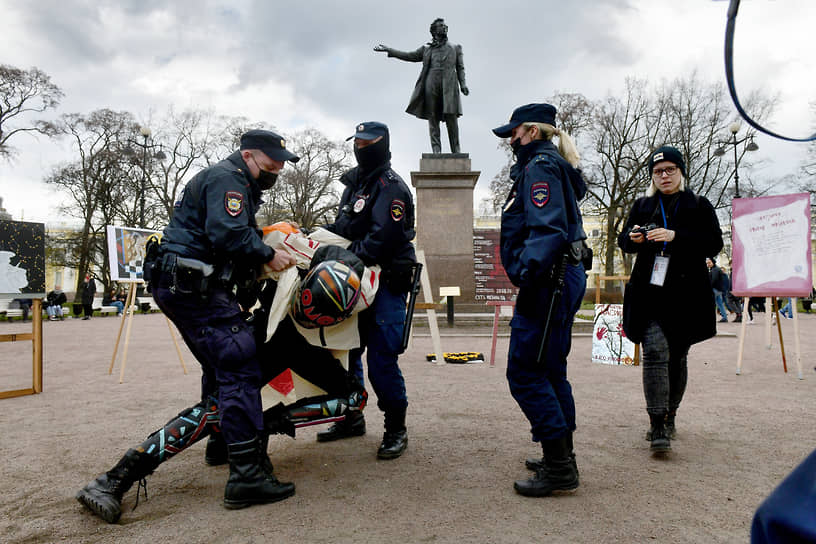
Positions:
(326, 296)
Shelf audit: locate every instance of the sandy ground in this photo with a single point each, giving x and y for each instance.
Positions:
(738, 437)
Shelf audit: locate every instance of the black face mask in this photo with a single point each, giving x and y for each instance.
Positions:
(515, 145)
(266, 180)
(372, 156)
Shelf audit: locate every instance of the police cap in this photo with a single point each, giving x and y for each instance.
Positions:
(272, 145)
(530, 113)
(370, 130)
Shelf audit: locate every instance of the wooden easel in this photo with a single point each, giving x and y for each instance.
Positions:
(37, 348)
(127, 314)
(771, 302)
(429, 307)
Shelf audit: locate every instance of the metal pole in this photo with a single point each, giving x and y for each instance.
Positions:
(736, 169)
(144, 183)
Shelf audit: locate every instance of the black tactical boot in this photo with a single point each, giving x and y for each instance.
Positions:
(393, 444)
(216, 452)
(103, 496)
(395, 439)
(353, 425)
(538, 463)
(248, 482)
(558, 473)
(660, 442)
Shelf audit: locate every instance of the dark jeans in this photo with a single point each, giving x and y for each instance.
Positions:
(665, 371)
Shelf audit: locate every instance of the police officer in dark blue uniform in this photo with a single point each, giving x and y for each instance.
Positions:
(541, 230)
(377, 215)
(211, 247)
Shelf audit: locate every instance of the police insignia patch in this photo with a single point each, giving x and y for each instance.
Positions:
(397, 209)
(234, 203)
(540, 193)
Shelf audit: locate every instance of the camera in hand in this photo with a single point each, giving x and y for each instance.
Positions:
(645, 228)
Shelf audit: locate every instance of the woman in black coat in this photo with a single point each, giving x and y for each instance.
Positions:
(668, 304)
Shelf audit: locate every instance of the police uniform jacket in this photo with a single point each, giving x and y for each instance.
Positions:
(214, 221)
(377, 215)
(453, 77)
(541, 215)
(684, 305)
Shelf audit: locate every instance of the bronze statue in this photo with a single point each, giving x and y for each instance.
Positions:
(436, 94)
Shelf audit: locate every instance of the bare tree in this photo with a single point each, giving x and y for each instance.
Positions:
(616, 134)
(96, 184)
(308, 191)
(25, 92)
(188, 141)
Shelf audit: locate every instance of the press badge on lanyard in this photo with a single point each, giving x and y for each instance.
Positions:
(661, 265)
(661, 262)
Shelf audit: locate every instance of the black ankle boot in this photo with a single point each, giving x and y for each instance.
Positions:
(394, 444)
(353, 425)
(248, 483)
(395, 439)
(103, 496)
(538, 463)
(216, 452)
(660, 442)
(558, 474)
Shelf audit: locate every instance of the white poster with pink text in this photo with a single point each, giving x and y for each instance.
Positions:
(771, 246)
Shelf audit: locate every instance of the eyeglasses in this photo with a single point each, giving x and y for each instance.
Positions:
(669, 171)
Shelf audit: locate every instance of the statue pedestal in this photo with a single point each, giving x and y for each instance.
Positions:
(444, 220)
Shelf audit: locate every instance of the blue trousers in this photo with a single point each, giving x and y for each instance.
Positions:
(542, 391)
(718, 298)
(225, 347)
(381, 328)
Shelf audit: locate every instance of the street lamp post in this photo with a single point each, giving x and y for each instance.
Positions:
(145, 132)
(720, 151)
(146, 146)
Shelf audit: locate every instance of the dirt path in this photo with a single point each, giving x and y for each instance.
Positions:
(738, 437)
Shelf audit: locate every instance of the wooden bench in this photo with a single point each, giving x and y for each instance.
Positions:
(97, 307)
(9, 312)
(145, 303)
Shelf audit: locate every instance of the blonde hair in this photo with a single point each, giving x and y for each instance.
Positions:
(652, 189)
(566, 147)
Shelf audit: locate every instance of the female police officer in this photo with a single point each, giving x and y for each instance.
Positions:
(541, 222)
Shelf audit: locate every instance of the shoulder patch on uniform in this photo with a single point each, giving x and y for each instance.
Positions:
(397, 209)
(540, 193)
(234, 203)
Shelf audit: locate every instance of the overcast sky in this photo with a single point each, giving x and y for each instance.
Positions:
(293, 65)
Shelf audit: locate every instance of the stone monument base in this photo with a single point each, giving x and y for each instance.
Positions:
(444, 220)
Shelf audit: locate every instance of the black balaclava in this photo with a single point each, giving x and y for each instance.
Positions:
(372, 156)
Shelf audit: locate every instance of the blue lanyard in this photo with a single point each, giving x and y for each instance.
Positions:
(665, 223)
